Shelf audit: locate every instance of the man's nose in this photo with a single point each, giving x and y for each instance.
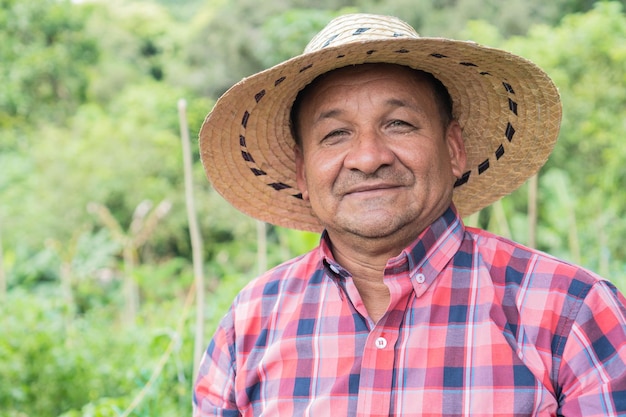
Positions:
(369, 152)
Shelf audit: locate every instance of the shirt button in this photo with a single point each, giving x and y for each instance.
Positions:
(420, 278)
(334, 268)
(381, 343)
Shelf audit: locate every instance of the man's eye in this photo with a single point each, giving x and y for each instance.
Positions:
(399, 123)
(335, 134)
(401, 126)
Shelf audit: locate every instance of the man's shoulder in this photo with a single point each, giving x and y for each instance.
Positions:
(291, 276)
(273, 297)
(516, 263)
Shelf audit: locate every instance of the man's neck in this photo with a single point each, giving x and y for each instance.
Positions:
(366, 261)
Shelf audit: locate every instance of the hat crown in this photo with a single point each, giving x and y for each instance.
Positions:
(359, 27)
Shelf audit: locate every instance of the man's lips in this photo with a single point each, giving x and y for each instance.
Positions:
(369, 188)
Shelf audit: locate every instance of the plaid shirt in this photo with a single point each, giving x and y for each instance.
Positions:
(477, 325)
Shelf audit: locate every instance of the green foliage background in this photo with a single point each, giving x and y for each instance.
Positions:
(89, 126)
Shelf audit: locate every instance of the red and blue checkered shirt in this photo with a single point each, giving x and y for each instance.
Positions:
(477, 325)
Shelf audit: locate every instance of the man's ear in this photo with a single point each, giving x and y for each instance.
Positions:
(300, 172)
(456, 148)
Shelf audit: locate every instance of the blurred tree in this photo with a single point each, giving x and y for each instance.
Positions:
(285, 35)
(105, 157)
(141, 40)
(586, 57)
(45, 54)
(225, 37)
(229, 41)
(447, 18)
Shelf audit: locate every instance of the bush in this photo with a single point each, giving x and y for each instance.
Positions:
(52, 364)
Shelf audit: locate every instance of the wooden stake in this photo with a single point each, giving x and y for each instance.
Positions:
(196, 240)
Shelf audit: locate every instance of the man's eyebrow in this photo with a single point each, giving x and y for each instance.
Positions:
(328, 114)
(396, 102)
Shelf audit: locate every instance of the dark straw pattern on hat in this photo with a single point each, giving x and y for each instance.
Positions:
(509, 110)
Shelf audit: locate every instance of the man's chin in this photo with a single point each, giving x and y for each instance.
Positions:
(373, 226)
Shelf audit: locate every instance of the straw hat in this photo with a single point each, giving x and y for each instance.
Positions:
(508, 108)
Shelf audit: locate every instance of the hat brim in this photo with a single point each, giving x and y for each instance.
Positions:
(508, 108)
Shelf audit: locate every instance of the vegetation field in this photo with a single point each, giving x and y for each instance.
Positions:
(106, 301)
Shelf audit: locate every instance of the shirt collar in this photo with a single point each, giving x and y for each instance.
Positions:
(423, 259)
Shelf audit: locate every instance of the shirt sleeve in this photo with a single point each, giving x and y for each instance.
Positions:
(592, 374)
(214, 390)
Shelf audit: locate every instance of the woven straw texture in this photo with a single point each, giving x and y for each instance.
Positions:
(509, 110)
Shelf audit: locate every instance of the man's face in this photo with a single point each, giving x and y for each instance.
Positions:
(375, 159)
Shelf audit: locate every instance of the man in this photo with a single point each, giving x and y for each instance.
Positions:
(383, 141)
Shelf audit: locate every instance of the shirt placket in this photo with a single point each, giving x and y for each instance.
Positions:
(379, 356)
